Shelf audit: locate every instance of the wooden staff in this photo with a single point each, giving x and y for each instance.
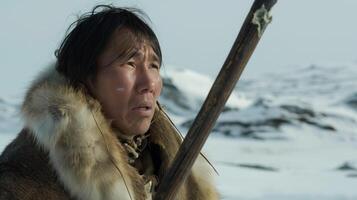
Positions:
(254, 25)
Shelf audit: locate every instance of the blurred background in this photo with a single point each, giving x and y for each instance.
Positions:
(289, 129)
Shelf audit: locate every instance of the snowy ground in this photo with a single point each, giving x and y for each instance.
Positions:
(303, 168)
(289, 136)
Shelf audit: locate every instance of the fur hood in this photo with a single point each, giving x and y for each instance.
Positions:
(84, 152)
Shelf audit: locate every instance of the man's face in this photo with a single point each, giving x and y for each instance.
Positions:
(128, 86)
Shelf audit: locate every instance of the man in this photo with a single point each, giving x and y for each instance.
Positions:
(93, 126)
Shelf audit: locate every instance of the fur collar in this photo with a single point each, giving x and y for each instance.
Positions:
(82, 147)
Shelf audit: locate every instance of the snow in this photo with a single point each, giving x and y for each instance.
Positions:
(309, 150)
(195, 86)
(298, 120)
(306, 168)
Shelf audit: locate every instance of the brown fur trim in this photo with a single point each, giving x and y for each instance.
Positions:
(199, 184)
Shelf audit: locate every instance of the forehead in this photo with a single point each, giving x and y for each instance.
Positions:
(143, 51)
(125, 42)
(123, 45)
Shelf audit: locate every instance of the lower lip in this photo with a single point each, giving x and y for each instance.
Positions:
(143, 111)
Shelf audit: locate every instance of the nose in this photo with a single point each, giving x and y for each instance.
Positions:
(146, 81)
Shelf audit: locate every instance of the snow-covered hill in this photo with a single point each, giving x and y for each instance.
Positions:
(285, 135)
(321, 98)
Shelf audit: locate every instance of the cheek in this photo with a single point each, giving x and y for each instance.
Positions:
(120, 89)
(158, 86)
(113, 92)
(119, 81)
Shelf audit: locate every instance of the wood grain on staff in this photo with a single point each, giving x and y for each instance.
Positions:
(225, 82)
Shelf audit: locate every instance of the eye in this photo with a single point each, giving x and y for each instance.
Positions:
(131, 63)
(155, 66)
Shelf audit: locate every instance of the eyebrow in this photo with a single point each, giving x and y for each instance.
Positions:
(156, 58)
(136, 53)
(132, 53)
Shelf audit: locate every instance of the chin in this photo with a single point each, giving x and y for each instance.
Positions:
(141, 128)
(138, 128)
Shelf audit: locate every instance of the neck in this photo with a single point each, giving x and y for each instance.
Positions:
(122, 136)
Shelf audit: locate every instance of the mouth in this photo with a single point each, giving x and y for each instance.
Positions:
(143, 106)
(144, 109)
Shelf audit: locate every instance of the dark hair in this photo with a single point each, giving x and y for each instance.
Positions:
(79, 51)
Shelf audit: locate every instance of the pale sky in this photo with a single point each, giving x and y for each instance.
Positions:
(193, 34)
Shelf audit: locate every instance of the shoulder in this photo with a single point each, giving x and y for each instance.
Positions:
(22, 155)
(25, 172)
(14, 186)
(11, 186)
